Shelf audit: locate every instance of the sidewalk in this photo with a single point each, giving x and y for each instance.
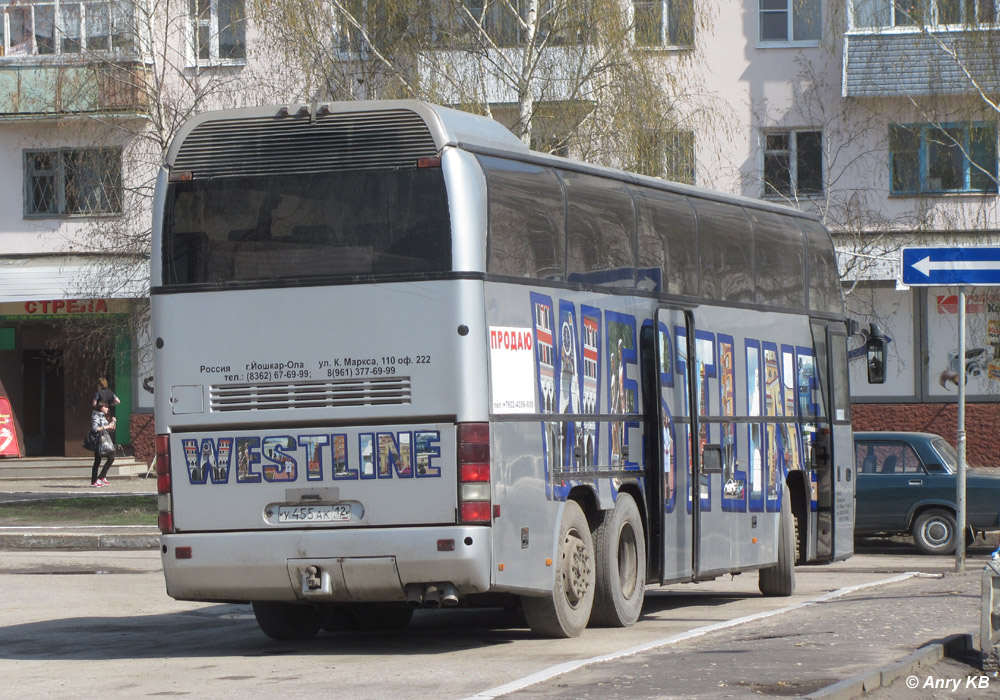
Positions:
(70, 536)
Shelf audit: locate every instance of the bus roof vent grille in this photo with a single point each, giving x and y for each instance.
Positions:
(293, 145)
(335, 393)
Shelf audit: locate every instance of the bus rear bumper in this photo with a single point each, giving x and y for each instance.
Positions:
(325, 565)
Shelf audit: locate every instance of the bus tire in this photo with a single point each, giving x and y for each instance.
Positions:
(565, 611)
(779, 579)
(335, 617)
(376, 616)
(286, 621)
(620, 546)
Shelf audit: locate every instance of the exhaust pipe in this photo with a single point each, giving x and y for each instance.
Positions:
(414, 597)
(432, 596)
(449, 595)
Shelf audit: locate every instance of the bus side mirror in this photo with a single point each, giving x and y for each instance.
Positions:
(711, 459)
(875, 350)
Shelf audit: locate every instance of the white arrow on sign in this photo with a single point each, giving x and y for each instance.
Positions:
(926, 266)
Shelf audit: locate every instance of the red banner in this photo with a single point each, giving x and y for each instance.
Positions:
(8, 436)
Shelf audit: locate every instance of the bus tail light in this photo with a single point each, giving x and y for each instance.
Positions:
(474, 487)
(164, 501)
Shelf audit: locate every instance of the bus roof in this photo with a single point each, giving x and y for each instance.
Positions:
(471, 132)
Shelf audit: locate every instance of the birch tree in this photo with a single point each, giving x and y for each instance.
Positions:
(573, 77)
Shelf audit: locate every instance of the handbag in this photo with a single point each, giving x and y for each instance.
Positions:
(107, 445)
(90, 442)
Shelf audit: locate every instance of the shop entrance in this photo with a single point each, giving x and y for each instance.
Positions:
(49, 372)
(43, 416)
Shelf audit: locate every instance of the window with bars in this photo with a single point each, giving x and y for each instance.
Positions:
(667, 154)
(218, 30)
(47, 28)
(72, 182)
(793, 163)
(663, 23)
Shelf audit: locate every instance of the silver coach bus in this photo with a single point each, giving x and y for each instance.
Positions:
(404, 361)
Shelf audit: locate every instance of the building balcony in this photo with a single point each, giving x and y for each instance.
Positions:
(921, 62)
(63, 57)
(55, 90)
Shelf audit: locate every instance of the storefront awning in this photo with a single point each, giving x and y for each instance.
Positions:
(72, 277)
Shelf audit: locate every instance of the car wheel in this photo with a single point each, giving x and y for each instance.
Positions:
(934, 531)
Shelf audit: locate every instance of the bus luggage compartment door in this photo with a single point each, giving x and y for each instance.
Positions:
(346, 578)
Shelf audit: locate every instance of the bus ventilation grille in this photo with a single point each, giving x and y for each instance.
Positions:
(292, 145)
(335, 393)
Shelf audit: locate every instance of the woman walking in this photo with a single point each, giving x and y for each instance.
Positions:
(100, 426)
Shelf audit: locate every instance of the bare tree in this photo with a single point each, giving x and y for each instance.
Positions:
(564, 75)
(171, 64)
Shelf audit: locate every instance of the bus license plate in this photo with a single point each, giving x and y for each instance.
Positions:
(316, 514)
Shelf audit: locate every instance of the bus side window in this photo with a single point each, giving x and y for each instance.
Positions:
(600, 230)
(668, 241)
(821, 269)
(526, 220)
(779, 253)
(726, 249)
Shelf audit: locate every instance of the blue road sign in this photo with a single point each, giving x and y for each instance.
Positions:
(979, 266)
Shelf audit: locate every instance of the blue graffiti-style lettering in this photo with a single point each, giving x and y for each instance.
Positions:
(276, 458)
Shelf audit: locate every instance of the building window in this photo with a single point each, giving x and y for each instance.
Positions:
(218, 30)
(660, 23)
(73, 182)
(46, 28)
(793, 163)
(788, 21)
(666, 154)
(935, 159)
(914, 13)
(558, 22)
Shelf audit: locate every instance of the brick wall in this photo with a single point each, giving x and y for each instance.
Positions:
(143, 436)
(982, 424)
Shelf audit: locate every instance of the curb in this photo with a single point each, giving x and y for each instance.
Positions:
(78, 541)
(864, 683)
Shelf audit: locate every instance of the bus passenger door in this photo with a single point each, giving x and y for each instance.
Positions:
(833, 452)
(668, 419)
(843, 443)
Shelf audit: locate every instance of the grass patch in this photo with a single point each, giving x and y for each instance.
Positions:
(87, 510)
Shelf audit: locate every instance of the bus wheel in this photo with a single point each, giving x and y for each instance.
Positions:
(384, 616)
(566, 611)
(337, 617)
(621, 565)
(779, 579)
(287, 621)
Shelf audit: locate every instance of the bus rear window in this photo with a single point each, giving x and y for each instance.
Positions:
(369, 223)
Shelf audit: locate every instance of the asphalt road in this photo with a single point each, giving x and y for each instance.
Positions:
(99, 624)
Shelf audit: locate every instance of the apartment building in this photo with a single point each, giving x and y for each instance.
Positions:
(875, 115)
(86, 91)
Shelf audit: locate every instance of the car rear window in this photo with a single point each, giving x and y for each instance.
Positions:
(947, 453)
(886, 458)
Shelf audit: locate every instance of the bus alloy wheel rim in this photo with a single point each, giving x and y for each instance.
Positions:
(628, 563)
(575, 568)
